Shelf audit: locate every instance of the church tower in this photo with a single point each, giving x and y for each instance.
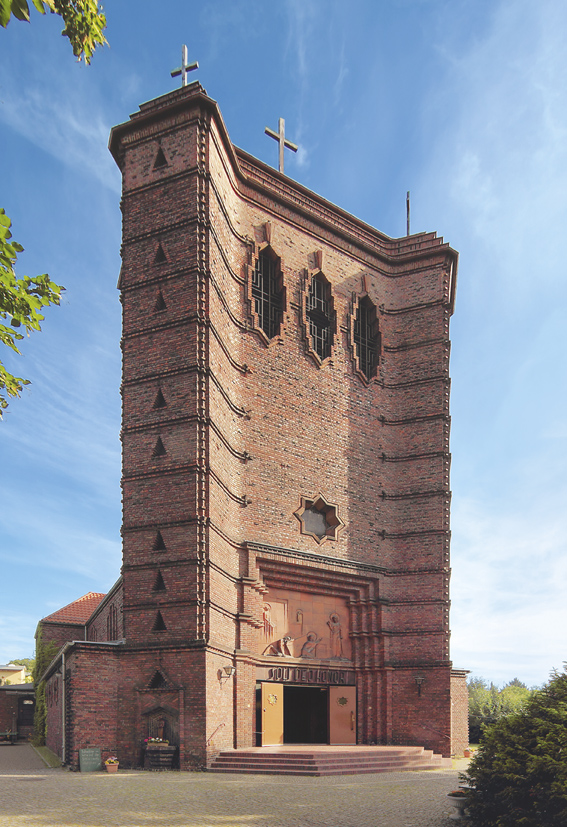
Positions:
(285, 455)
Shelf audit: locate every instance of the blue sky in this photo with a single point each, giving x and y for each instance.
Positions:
(464, 103)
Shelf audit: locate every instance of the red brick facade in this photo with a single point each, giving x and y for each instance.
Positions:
(239, 438)
(107, 622)
(459, 711)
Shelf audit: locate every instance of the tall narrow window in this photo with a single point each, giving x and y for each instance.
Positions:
(319, 313)
(267, 293)
(112, 624)
(366, 337)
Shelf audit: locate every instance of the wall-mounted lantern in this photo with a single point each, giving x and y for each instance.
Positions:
(420, 680)
(226, 672)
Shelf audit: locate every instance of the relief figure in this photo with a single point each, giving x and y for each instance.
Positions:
(309, 648)
(336, 633)
(269, 627)
(280, 648)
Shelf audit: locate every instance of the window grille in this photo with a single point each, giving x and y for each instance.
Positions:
(267, 294)
(319, 313)
(366, 337)
(315, 522)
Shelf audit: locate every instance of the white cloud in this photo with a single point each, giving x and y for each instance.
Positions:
(227, 21)
(342, 74)
(17, 635)
(72, 416)
(509, 614)
(62, 120)
(495, 185)
(301, 14)
(501, 162)
(53, 533)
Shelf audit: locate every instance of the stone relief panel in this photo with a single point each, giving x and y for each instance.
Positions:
(304, 625)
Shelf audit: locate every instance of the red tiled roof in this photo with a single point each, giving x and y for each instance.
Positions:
(78, 611)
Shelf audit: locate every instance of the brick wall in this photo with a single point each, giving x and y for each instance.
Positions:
(459, 711)
(60, 633)
(87, 683)
(107, 622)
(178, 699)
(224, 431)
(54, 713)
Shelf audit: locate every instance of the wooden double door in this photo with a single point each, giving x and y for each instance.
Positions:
(307, 714)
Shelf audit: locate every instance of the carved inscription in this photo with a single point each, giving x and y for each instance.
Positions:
(296, 674)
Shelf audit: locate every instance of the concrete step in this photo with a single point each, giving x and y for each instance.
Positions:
(258, 770)
(260, 752)
(273, 760)
(329, 762)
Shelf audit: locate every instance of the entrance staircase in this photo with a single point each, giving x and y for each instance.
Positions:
(327, 760)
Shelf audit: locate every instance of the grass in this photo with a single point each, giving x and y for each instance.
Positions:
(49, 758)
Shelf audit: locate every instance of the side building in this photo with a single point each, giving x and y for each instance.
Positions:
(285, 467)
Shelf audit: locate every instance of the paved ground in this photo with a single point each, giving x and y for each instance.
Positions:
(33, 796)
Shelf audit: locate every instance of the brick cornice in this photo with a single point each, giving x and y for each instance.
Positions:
(268, 188)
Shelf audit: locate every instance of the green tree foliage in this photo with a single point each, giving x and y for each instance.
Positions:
(22, 299)
(519, 775)
(44, 654)
(84, 21)
(29, 663)
(488, 704)
(21, 303)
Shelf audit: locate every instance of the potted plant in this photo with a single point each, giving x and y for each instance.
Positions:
(159, 755)
(458, 799)
(112, 763)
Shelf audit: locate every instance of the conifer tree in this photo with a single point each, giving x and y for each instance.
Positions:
(519, 776)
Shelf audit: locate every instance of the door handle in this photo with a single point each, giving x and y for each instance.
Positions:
(352, 720)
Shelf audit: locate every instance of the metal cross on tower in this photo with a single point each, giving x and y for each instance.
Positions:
(185, 67)
(280, 138)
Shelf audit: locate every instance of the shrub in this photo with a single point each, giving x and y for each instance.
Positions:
(519, 775)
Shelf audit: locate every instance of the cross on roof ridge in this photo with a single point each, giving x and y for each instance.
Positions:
(185, 67)
(279, 136)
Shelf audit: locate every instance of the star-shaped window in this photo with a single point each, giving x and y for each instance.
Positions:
(319, 519)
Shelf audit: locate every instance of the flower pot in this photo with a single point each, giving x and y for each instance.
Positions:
(459, 802)
(467, 753)
(111, 767)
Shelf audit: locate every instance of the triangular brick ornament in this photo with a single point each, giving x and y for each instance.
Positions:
(160, 303)
(161, 160)
(160, 256)
(159, 401)
(159, 449)
(158, 681)
(159, 544)
(159, 624)
(159, 585)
